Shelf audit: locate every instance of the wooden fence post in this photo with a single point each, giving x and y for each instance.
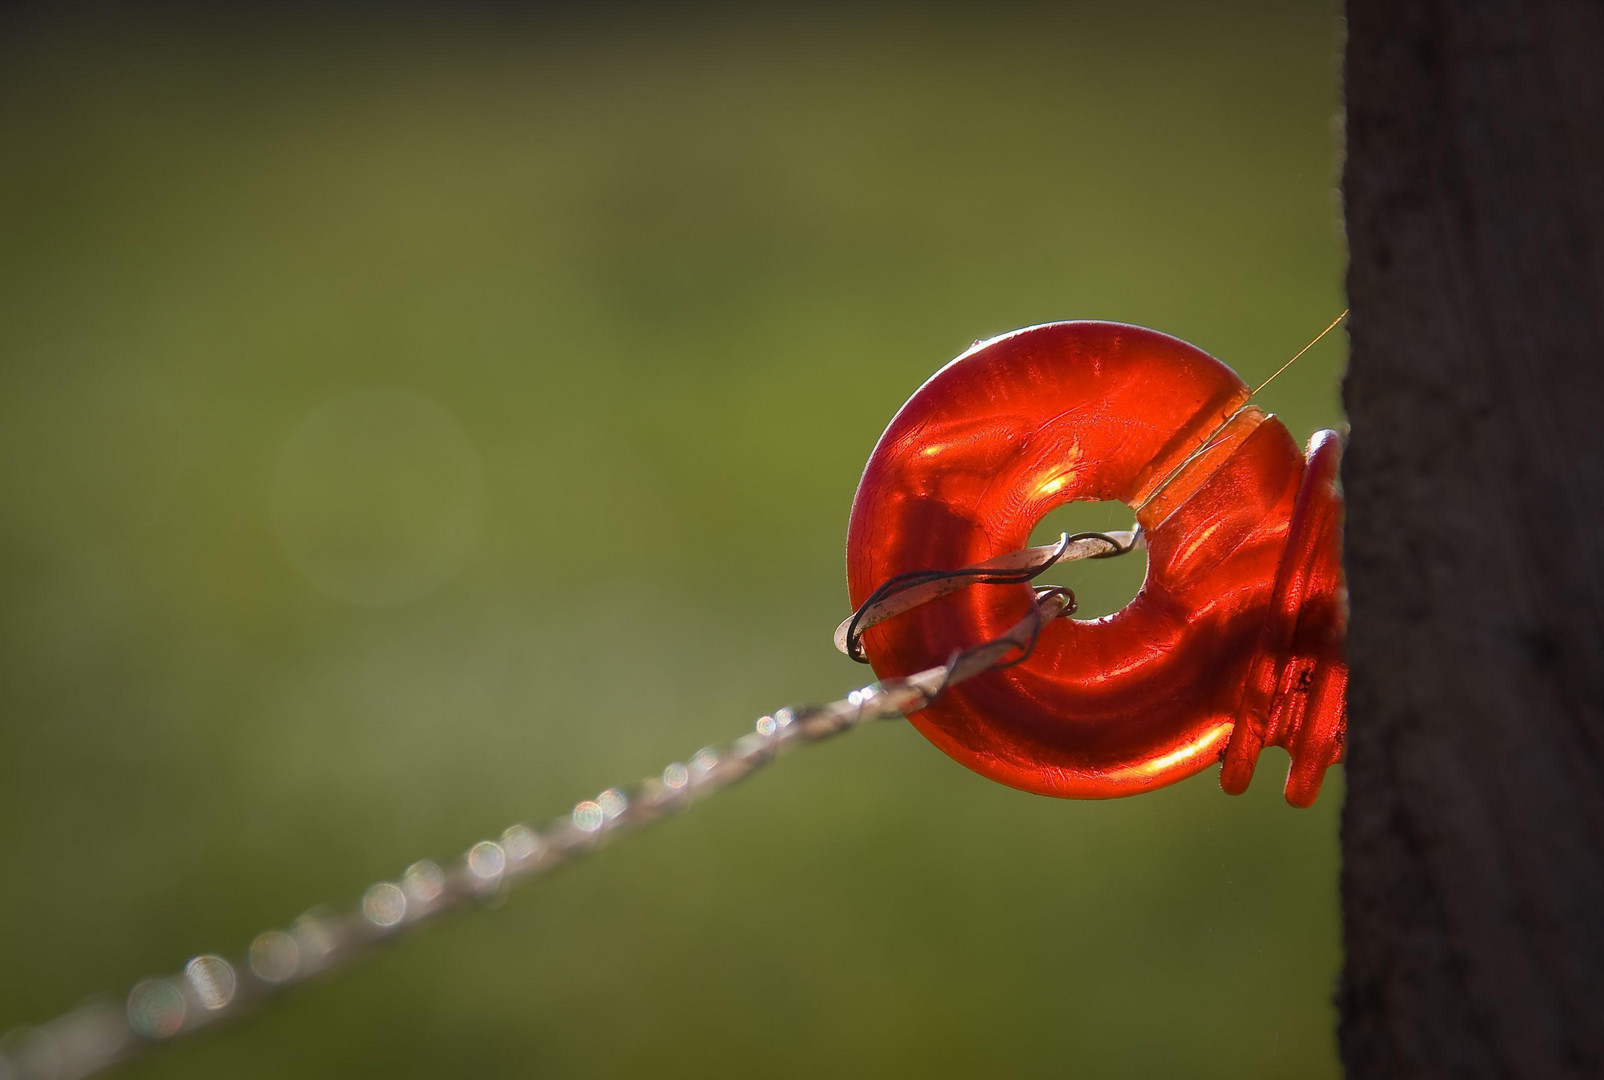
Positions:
(1473, 835)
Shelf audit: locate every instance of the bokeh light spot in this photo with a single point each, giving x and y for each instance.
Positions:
(520, 843)
(155, 1009)
(486, 860)
(423, 881)
(274, 956)
(384, 905)
(212, 980)
(588, 816)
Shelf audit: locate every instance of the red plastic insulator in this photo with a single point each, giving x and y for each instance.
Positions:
(1235, 641)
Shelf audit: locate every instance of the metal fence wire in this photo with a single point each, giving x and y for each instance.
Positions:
(211, 989)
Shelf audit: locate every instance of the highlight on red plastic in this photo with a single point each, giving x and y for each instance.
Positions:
(1235, 641)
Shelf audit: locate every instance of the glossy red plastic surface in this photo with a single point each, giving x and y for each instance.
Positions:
(1235, 638)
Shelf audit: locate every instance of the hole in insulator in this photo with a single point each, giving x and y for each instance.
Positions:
(1102, 586)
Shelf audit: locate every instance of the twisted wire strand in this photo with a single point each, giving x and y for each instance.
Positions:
(212, 989)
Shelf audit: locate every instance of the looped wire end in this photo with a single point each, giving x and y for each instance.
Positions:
(906, 591)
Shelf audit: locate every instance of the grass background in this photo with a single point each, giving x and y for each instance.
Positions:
(411, 423)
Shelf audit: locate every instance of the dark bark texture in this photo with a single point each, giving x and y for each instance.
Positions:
(1473, 835)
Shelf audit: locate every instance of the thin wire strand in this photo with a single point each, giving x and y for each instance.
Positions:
(211, 989)
(1208, 442)
(1299, 353)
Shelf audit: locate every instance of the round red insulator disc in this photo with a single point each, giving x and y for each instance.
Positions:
(1045, 416)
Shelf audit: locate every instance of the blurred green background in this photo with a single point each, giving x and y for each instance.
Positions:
(414, 424)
